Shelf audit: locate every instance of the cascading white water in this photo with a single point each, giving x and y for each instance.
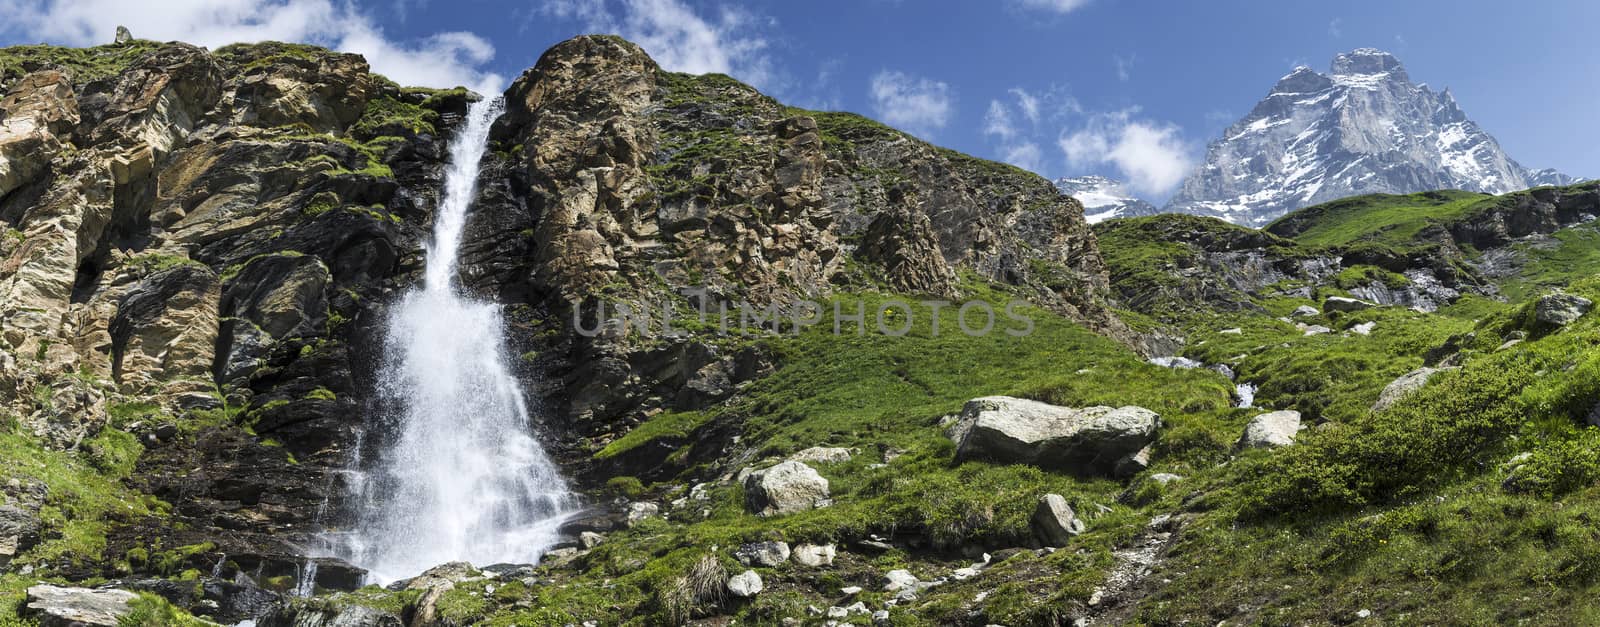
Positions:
(459, 474)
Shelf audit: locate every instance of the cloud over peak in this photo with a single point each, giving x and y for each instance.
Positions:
(681, 40)
(1153, 156)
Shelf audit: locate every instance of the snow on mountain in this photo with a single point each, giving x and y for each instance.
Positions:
(1362, 128)
(1104, 199)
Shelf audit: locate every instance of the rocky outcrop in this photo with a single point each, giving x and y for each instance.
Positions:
(1088, 441)
(1559, 310)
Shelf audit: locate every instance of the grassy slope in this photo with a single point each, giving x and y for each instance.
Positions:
(1378, 219)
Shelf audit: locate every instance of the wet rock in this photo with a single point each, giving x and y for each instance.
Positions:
(55, 606)
(1088, 441)
(1054, 522)
(786, 488)
(1271, 430)
(745, 585)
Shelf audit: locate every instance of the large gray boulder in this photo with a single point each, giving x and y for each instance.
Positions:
(56, 606)
(1403, 386)
(1054, 522)
(1559, 309)
(786, 488)
(1271, 430)
(1089, 440)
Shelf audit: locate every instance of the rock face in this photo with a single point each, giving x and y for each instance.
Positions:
(56, 606)
(1087, 441)
(1271, 430)
(1054, 522)
(786, 488)
(1362, 128)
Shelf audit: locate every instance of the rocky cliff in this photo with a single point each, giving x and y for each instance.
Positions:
(199, 247)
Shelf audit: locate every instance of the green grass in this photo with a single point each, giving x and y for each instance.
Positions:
(84, 64)
(1376, 219)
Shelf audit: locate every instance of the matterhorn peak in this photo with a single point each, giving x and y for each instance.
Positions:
(1363, 128)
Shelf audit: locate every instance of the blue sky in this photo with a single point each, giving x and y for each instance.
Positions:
(1128, 88)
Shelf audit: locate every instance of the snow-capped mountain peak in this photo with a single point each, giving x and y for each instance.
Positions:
(1362, 128)
(1104, 198)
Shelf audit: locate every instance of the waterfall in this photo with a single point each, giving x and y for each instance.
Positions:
(457, 472)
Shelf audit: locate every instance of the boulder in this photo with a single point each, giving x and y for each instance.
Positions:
(1559, 309)
(449, 572)
(1132, 464)
(822, 455)
(814, 555)
(1271, 430)
(899, 579)
(590, 539)
(641, 510)
(745, 585)
(1054, 522)
(1317, 329)
(1304, 311)
(1087, 441)
(786, 488)
(766, 554)
(56, 606)
(1340, 303)
(1403, 386)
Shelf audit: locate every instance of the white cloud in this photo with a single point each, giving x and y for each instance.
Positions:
(915, 104)
(1124, 65)
(441, 60)
(1152, 156)
(677, 37)
(1336, 28)
(1058, 6)
(997, 121)
(1028, 103)
(1025, 155)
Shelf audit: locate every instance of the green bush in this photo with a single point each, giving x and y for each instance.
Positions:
(1559, 467)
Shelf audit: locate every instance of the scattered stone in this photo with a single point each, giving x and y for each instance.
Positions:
(1165, 478)
(1560, 309)
(1233, 331)
(1090, 440)
(1403, 386)
(1271, 430)
(1224, 370)
(1317, 329)
(900, 579)
(1364, 328)
(1364, 614)
(813, 554)
(880, 617)
(1054, 522)
(786, 488)
(822, 455)
(56, 606)
(1303, 311)
(850, 590)
(590, 539)
(766, 554)
(1340, 303)
(745, 585)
